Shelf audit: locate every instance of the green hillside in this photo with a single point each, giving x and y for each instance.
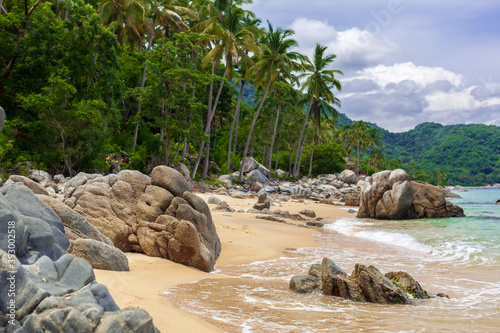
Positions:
(467, 154)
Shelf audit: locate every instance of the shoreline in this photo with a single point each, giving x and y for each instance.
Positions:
(244, 239)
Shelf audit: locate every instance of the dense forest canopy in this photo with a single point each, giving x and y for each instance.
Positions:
(88, 83)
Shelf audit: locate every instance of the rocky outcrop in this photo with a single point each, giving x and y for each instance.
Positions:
(365, 284)
(62, 296)
(157, 215)
(38, 230)
(391, 195)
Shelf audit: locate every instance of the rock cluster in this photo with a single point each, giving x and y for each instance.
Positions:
(157, 215)
(366, 284)
(44, 289)
(391, 195)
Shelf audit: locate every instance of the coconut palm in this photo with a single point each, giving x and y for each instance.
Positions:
(319, 83)
(277, 61)
(359, 138)
(377, 159)
(232, 41)
(373, 140)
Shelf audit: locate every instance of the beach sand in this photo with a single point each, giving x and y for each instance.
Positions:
(244, 239)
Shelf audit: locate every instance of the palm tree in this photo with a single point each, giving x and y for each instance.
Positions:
(377, 159)
(374, 140)
(359, 131)
(319, 82)
(233, 42)
(277, 61)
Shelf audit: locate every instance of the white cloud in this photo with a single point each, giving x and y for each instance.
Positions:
(401, 96)
(355, 48)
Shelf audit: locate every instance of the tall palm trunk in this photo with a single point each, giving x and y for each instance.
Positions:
(235, 119)
(143, 82)
(270, 158)
(302, 148)
(210, 116)
(311, 163)
(247, 145)
(295, 172)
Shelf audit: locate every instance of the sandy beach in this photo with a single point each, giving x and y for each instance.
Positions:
(244, 239)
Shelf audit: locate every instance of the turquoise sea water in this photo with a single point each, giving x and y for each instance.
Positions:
(475, 238)
(456, 256)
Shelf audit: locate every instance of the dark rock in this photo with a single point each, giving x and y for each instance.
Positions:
(408, 283)
(315, 270)
(308, 213)
(99, 254)
(442, 295)
(39, 231)
(114, 168)
(263, 202)
(63, 296)
(429, 202)
(304, 283)
(318, 224)
(352, 200)
(328, 271)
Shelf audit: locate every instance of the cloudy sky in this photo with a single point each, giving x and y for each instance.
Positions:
(405, 61)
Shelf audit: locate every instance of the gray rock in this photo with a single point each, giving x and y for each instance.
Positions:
(258, 176)
(63, 296)
(348, 176)
(99, 254)
(212, 199)
(58, 178)
(39, 231)
(396, 203)
(227, 179)
(39, 175)
(408, 284)
(304, 284)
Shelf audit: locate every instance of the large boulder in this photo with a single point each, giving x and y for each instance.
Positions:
(38, 230)
(99, 254)
(429, 202)
(257, 176)
(75, 225)
(158, 216)
(251, 164)
(391, 195)
(348, 177)
(62, 296)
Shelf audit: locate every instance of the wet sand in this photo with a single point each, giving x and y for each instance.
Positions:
(244, 238)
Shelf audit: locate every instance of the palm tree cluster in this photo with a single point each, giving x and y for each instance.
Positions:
(232, 36)
(361, 137)
(175, 79)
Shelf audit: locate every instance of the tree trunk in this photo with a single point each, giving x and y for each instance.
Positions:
(311, 163)
(176, 153)
(302, 150)
(206, 164)
(357, 161)
(247, 145)
(143, 82)
(161, 128)
(300, 138)
(277, 158)
(210, 115)
(184, 148)
(290, 161)
(270, 159)
(235, 117)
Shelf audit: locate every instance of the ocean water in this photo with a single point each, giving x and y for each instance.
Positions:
(456, 256)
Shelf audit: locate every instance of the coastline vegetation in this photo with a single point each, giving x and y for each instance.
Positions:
(199, 82)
